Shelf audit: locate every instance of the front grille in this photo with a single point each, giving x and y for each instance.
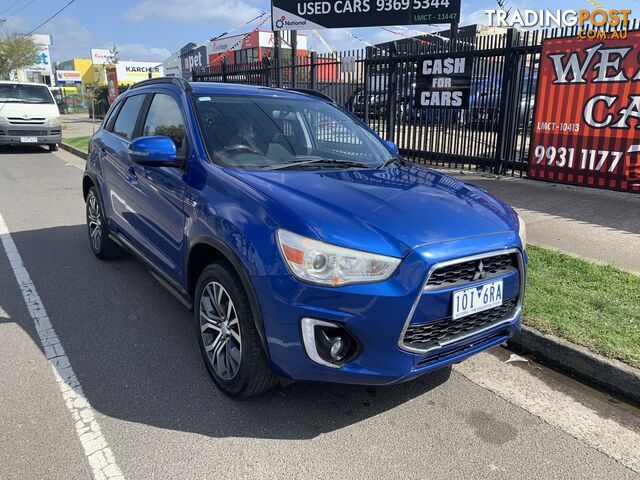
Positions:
(466, 272)
(25, 121)
(27, 133)
(434, 333)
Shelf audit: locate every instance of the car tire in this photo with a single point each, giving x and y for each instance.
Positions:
(102, 246)
(53, 147)
(227, 334)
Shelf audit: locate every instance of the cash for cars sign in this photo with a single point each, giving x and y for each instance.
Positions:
(586, 127)
(305, 14)
(444, 81)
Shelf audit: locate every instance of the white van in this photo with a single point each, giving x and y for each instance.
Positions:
(28, 115)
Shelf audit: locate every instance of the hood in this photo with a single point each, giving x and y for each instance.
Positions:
(30, 110)
(388, 211)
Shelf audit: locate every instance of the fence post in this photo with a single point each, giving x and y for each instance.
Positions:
(367, 77)
(294, 58)
(314, 66)
(223, 70)
(506, 103)
(266, 63)
(392, 93)
(277, 53)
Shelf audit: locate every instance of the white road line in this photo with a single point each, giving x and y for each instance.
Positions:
(96, 448)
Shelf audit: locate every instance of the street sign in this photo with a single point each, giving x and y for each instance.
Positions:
(68, 77)
(306, 15)
(587, 113)
(444, 81)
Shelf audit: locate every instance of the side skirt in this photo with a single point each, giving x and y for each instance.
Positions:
(174, 288)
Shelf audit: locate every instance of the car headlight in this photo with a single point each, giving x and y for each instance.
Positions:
(4, 121)
(52, 122)
(522, 232)
(326, 264)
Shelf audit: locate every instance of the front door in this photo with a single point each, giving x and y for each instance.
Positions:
(161, 190)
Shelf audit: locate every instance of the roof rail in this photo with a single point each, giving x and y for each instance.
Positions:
(177, 81)
(313, 93)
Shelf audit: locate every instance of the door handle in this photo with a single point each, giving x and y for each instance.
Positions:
(132, 177)
(192, 202)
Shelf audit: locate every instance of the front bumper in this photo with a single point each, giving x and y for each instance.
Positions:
(13, 134)
(377, 316)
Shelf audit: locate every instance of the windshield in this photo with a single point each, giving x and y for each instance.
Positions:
(17, 93)
(267, 132)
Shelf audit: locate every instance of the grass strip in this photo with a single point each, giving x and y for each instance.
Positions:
(596, 306)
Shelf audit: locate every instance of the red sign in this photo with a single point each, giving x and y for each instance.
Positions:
(112, 83)
(586, 127)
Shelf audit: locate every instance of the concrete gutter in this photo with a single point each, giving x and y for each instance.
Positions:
(74, 150)
(578, 361)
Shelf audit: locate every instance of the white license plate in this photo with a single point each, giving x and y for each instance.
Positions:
(477, 299)
(28, 139)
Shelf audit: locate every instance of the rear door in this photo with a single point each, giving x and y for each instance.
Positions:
(118, 168)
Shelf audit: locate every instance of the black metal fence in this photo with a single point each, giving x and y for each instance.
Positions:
(378, 85)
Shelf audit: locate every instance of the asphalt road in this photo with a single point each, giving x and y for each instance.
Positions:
(155, 414)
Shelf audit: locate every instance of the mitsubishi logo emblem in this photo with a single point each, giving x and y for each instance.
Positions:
(479, 273)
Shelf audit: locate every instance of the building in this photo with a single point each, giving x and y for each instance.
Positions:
(232, 50)
(82, 65)
(41, 71)
(128, 71)
(468, 33)
(255, 46)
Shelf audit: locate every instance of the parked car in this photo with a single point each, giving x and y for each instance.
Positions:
(484, 104)
(306, 247)
(28, 115)
(412, 113)
(377, 104)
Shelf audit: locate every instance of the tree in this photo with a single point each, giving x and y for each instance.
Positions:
(16, 52)
(113, 55)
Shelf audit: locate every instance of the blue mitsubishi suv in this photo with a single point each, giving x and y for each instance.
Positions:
(307, 248)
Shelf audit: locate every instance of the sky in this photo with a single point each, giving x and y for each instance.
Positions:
(153, 29)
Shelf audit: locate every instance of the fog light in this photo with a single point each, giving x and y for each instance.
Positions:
(327, 343)
(337, 349)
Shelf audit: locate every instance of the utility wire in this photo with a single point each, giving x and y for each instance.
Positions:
(231, 29)
(9, 7)
(20, 9)
(50, 18)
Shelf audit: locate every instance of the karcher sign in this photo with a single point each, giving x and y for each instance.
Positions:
(132, 72)
(300, 15)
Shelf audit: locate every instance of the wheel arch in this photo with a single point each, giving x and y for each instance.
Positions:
(206, 250)
(87, 183)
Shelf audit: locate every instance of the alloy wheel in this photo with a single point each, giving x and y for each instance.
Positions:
(220, 330)
(95, 222)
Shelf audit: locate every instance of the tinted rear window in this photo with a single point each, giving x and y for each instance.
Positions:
(125, 124)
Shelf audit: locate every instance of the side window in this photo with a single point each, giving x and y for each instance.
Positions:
(110, 119)
(165, 118)
(125, 124)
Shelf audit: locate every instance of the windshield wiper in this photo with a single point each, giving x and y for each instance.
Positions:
(326, 161)
(386, 163)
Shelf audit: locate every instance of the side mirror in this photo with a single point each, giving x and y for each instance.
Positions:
(392, 147)
(155, 151)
